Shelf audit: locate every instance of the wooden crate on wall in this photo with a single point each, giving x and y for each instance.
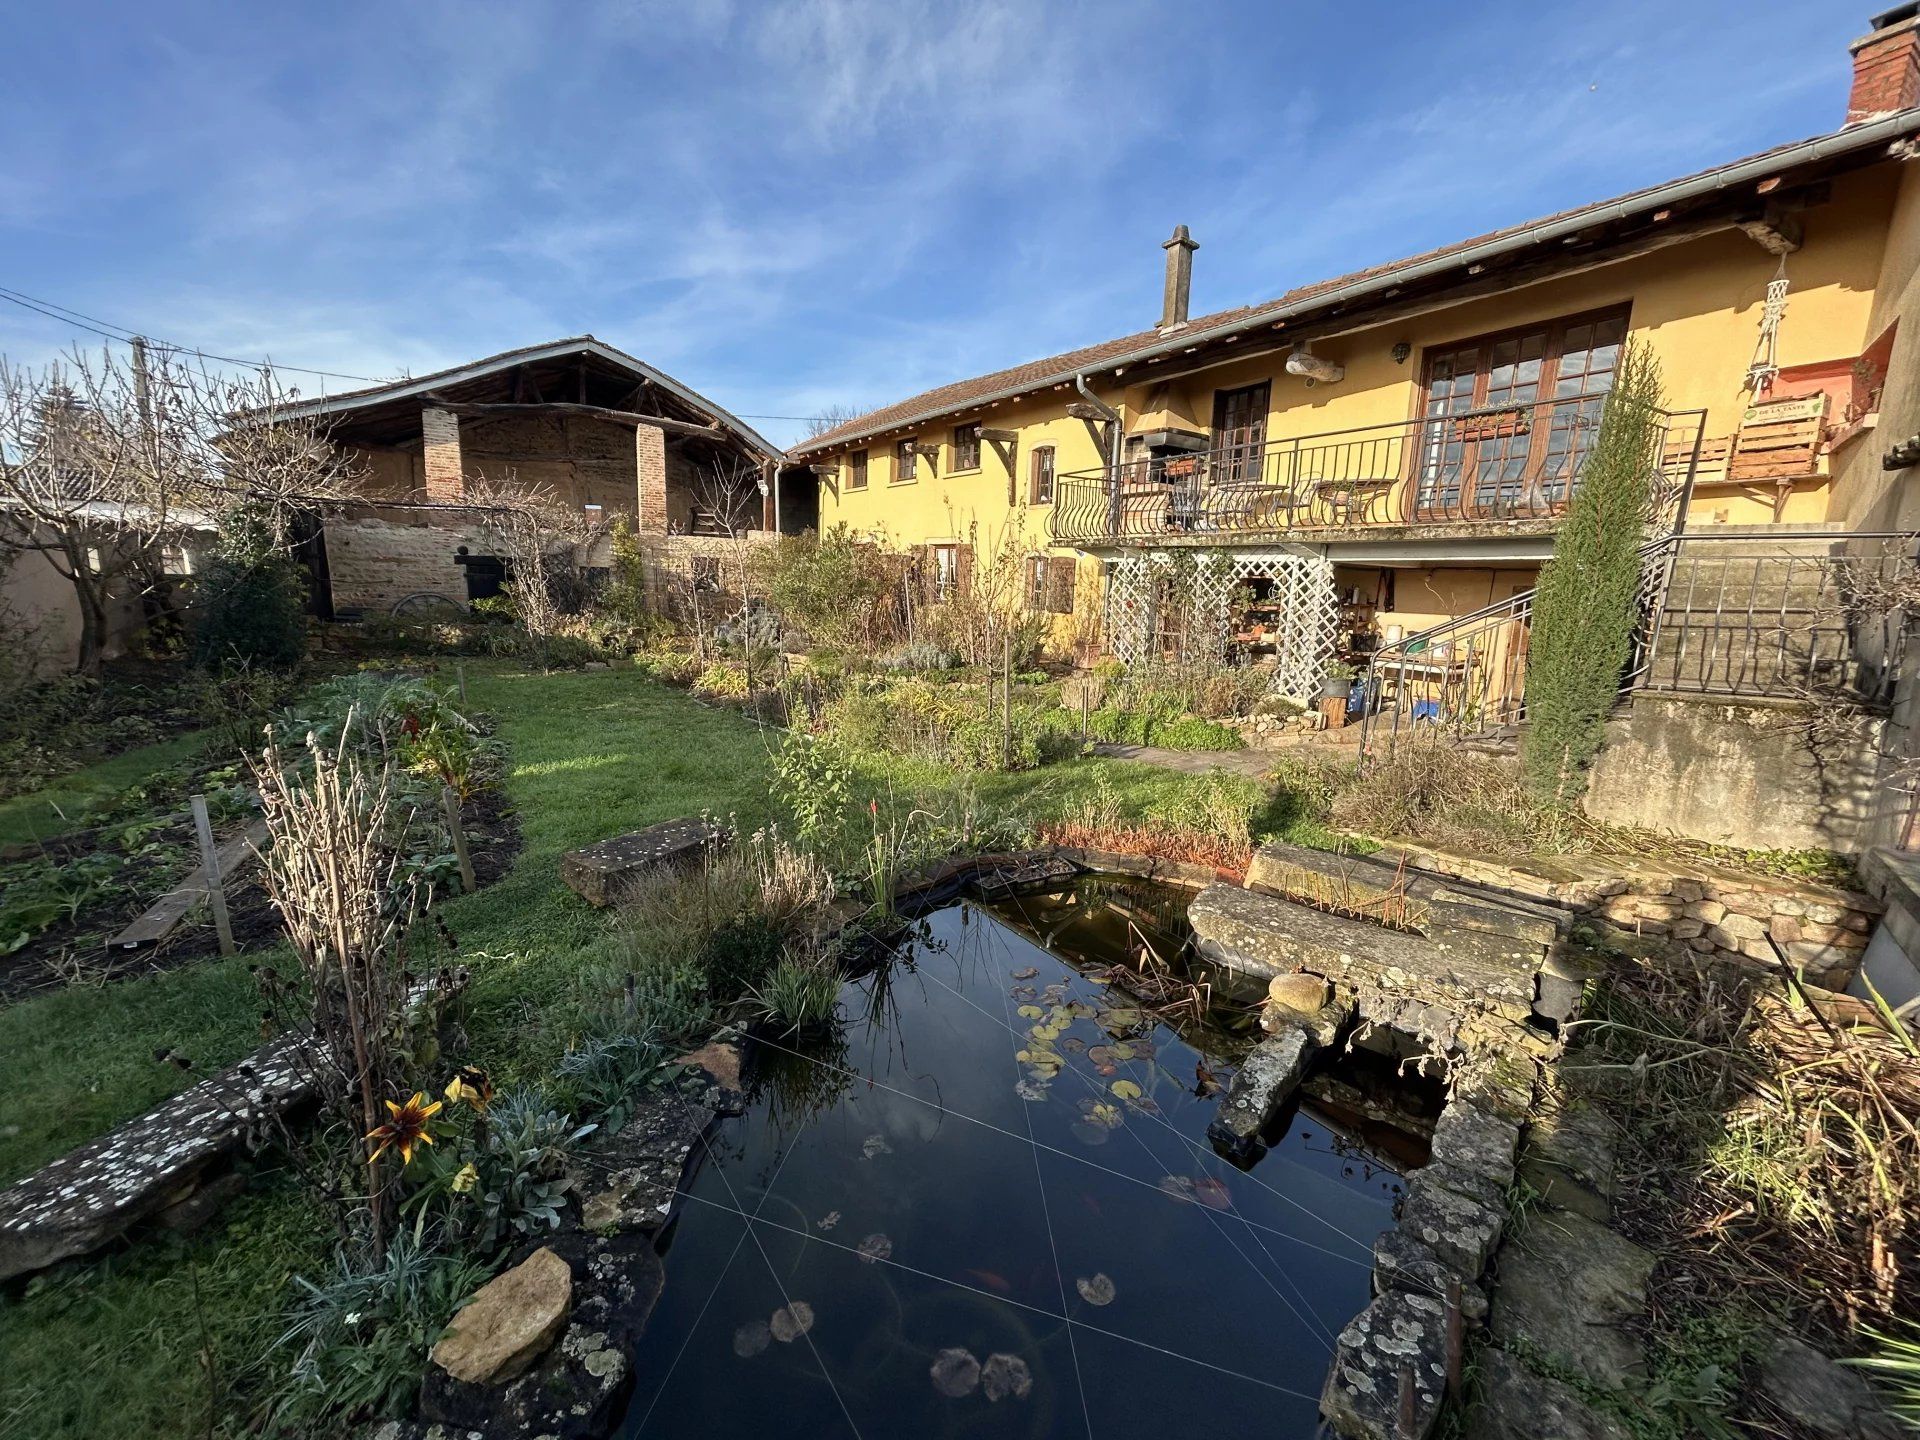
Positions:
(1779, 439)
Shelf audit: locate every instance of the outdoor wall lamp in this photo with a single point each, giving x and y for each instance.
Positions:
(1401, 349)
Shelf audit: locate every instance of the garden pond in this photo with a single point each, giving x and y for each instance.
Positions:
(986, 1205)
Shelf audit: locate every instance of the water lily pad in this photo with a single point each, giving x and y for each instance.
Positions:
(1045, 1034)
(751, 1338)
(955, 1373)
(1142, 1049)
(1026, 973)
(1213, 1193)
(827, 1221)
(874, 1247)
(875, 1145)
(1030, 1090)
(1023, 992)
(1119, 1019)
(1095, 1289)
(1073, 1044)
(1080, 1010)
(1005, 1375)
(1123, 1051)
(1088, 1133)
(792, 1321)
(1178, 1186)
(1029, 1012)
(1125, 1089)
(1101, 1054)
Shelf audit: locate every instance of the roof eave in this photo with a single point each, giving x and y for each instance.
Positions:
(1855, 138)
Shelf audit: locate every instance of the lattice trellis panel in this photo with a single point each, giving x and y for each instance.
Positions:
(1309, 613)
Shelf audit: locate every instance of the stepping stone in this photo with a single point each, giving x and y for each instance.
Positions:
(1567, 1287)
(602, 873)
(1516, 1404)
(1261, 1086)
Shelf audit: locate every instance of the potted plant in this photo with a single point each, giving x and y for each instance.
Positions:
(1336, 681)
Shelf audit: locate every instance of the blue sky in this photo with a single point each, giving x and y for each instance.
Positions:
(826, 202)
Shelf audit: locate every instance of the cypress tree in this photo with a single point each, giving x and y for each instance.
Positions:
(1585, 607)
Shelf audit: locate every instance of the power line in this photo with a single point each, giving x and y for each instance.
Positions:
(108, 330)
(122, 335)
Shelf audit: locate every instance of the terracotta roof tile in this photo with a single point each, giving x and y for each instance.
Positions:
(962, 394)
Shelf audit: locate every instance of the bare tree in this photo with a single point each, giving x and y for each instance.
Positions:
(540, 537)
(831, 418)
(728, 495)
(106, 463)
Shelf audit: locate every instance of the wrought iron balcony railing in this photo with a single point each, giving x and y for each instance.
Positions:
(1504, 463)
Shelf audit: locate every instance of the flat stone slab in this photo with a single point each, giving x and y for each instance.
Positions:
(1398, 1334)
(601, 873)
(1570, 1157)
(629, 1184)
(1516, 1404)
(1263, 936)
(509, 1322)
(1824, 1398)
(1567, 1288)
(151, 1164)
(1461, 1229)
(1467, 1137)
(1270, 1075)
(1401, 1262)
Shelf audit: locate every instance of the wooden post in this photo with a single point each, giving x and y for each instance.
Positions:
(1006, 699)
(450, 802)
(210, 865)
(1404, 1429)
(1456, 1337)
(460, 674)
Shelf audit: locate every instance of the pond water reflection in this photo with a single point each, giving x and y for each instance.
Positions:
(988, 1207)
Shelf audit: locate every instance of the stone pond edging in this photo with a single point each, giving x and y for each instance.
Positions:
(1721, 913)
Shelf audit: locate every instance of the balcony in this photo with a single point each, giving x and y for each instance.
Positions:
(1500, 465)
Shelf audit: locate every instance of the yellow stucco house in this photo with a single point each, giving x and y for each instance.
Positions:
(1363, 459)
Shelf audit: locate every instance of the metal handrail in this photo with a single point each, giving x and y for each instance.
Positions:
(1503, 462)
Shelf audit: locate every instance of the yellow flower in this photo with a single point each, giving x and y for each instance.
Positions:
(406, 1127)
(466, 1179)
(472, 1086)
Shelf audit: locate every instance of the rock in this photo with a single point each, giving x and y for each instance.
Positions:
(1566, 1287)
(1458, 1228)
(1711, 911)
(1569, 1158)
(720, 1061)
(1502, 1084)
(1396, 1334)
(1513, 1403)
(1827, 1400)
(1261, 1086)
(600, 873)
(578, 1388)
(509, 1322)
(1401, 1262)
(1301, 993)
(1560, 986)
(188, 1215)
(631, 1181)
(1478, 1141)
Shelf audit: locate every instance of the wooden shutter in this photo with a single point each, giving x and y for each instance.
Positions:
(962, 570)
(1060, 576)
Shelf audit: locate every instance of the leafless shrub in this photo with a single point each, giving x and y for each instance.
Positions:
(341, 890)
(540, 537)
(1432, 790)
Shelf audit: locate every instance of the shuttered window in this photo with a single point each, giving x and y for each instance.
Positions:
(1050, 584)
(966, 446)
(903, 461)
(857, 470)
(1041, 490)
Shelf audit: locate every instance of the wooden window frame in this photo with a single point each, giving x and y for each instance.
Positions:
(969, 435)
(1043, 458)
(857, 470)
(906, 462)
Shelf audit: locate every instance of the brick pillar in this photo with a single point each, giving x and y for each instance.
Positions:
(1886, 67)
(440, 437)
(650, 466)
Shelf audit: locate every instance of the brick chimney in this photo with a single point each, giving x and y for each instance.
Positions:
(1886, 65)
(1173, 305)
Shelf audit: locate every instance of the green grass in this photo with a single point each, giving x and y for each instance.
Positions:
(592, 754)
(63, 805)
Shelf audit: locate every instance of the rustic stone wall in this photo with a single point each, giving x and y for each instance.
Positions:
(375, 563)
(1720, 913)
(440, 439)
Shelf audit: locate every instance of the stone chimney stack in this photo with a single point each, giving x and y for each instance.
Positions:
(1886, 65)
(1173, 305)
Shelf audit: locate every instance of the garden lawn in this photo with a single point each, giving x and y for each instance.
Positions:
(592, 754)
(63, 805)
